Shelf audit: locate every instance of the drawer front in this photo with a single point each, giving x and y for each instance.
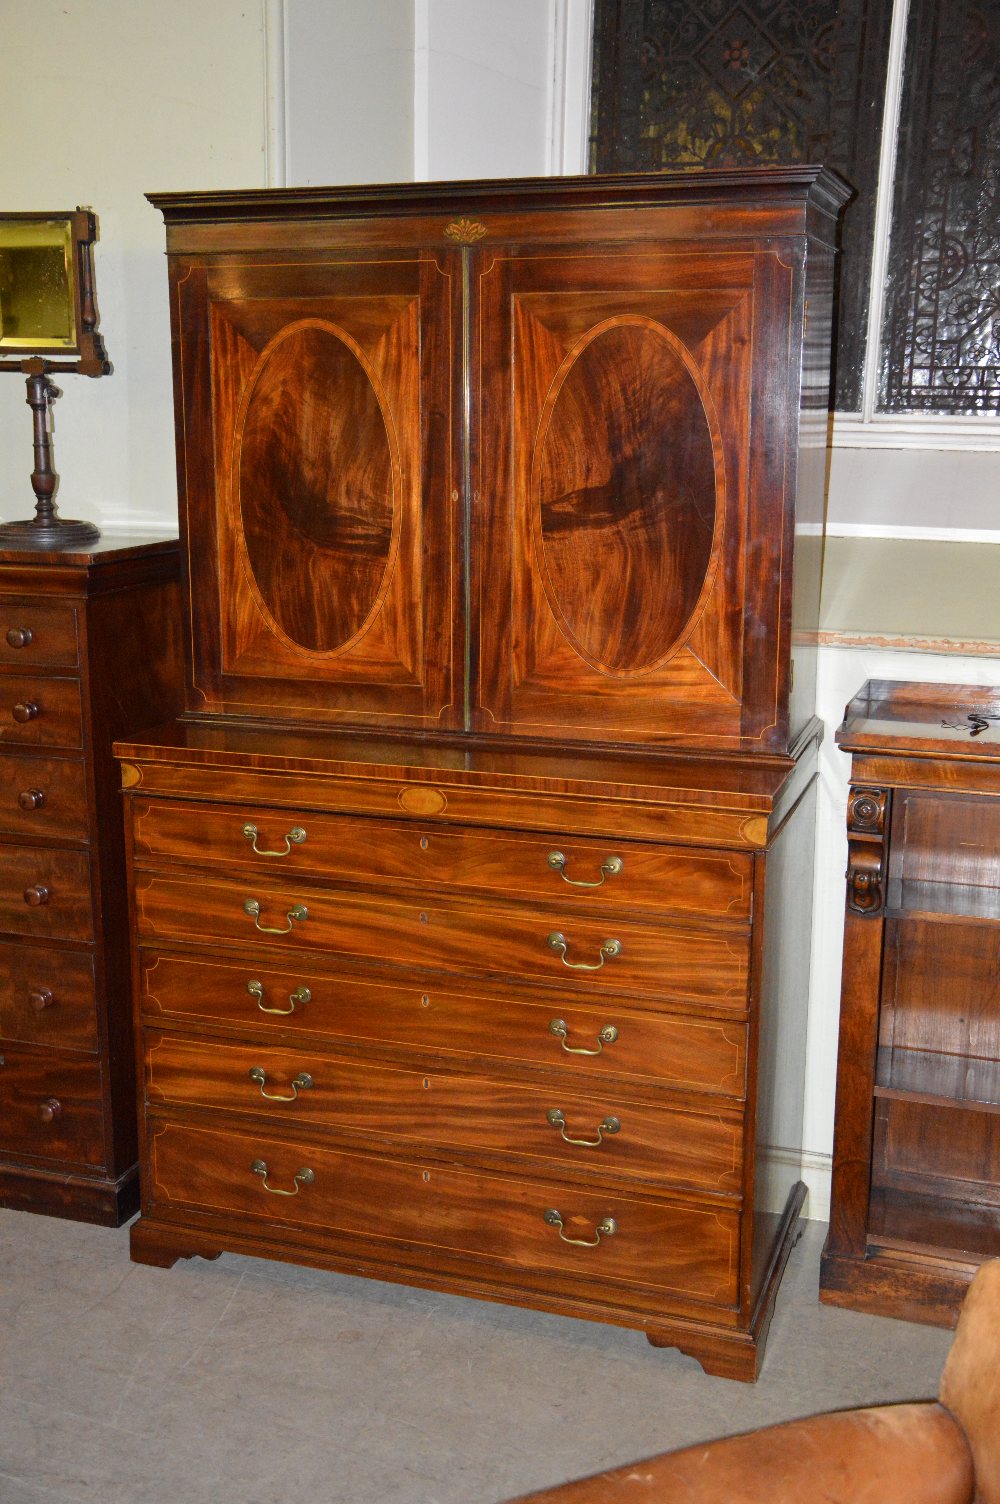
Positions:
(45, 796)
(556, 869)
(36, 712)
(47, 996)
(38, 634)
(600, 1132)
(583, 1043)
(600, 956)
(417, 1212)
(45, 893)
(50, 1106)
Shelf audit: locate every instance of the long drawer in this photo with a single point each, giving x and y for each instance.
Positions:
(43, 796)
(556, 868)
(38, 712)
(310, 1004)
(599, 1130)
(411, 1212)
(47, 996)
(51, 1106)
(37, 632)
(45, 893)
(552, 945)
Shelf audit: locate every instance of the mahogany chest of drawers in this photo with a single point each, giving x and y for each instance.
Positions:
(537, 1061)
(89, 650)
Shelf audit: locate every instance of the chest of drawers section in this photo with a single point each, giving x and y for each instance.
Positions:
(88, 651)
(512, 1063)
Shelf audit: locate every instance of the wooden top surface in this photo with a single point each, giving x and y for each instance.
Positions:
(108, 548)
(738, 187)
(715, 782)
(921, 719)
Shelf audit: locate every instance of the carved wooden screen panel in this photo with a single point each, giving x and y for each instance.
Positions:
(319, 506)
(730, 83)
(617, 497)
(941, 331)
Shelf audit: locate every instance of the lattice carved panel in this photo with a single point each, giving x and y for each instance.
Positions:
(941, 334)
(724, 83)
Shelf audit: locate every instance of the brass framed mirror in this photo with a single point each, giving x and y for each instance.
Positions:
(48, 323)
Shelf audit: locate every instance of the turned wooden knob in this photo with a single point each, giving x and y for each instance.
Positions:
(30, 799)
(37, 895)
(18, 637)
(40, 999)
(25, 710)
(49, 1110)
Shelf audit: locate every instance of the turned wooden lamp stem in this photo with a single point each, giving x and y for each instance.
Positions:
(44, 480)
(46, 529)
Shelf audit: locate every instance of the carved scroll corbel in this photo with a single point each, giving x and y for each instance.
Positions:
(864, 878)
(866, 825)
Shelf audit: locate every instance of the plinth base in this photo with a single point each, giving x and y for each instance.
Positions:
(63, 533)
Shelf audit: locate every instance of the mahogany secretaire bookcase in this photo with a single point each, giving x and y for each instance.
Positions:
(471, 892)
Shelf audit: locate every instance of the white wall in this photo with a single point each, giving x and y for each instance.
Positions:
(428, 89)
(484, 78)
(100, 102)
(915, 492)
(348, 81)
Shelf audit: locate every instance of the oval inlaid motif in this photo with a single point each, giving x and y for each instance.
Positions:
(315, 472)
(421, 801)
(625, 494)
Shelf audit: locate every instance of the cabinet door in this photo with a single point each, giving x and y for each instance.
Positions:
(316, 457)
(636, 411)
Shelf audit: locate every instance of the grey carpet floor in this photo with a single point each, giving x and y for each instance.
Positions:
(244, 1382)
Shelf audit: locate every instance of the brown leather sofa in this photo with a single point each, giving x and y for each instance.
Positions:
(944, 1451)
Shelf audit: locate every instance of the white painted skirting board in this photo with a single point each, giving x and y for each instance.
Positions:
(814, 1169)
(154, 523)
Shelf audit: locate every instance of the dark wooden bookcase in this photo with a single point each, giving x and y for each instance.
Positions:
(916, 1182)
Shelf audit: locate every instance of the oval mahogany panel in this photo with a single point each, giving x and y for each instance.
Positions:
(625, 493)
(315, 487)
